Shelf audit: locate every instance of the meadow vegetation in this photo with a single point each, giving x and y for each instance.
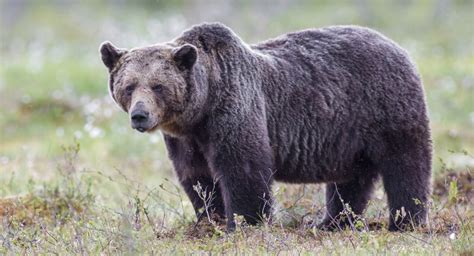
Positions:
(76, 179)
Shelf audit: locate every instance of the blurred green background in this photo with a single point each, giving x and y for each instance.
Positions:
(53, 86)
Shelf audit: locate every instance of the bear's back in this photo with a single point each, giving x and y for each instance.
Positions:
(354, 64)
(335, 45)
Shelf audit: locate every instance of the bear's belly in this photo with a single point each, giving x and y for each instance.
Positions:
(312, 176)
(304, 168)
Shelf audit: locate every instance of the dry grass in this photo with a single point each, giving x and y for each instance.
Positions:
(66, 219)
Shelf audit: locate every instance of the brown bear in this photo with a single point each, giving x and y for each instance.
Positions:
(340, 105)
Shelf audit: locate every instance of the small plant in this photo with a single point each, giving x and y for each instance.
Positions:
(207, 197)
(453, 192)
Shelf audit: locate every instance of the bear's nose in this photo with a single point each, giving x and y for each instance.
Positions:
(139, 116)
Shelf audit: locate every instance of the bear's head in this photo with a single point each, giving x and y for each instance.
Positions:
(159, 86)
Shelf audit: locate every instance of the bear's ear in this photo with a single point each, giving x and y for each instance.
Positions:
(185, 56)
(110, 54)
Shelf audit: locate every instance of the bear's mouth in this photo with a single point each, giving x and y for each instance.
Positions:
(140, 127)
(143, 129)
(153, 128)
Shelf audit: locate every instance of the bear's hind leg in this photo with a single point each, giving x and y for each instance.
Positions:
(406, 178)
(355, 194)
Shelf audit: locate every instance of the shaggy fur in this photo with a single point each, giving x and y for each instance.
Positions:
(340, 105)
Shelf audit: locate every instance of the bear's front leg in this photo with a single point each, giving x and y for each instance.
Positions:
(196, 178)
(244, 173)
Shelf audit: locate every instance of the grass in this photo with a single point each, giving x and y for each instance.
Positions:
(67, 217)
(76, 179)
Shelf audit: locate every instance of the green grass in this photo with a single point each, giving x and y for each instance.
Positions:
(118, 194)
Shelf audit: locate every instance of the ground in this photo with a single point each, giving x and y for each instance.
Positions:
(76, 179)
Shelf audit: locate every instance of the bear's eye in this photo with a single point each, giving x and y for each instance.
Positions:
(129, 89)
(157, 88)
